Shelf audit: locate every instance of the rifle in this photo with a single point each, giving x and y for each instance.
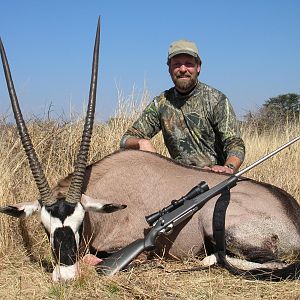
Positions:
(165, 220)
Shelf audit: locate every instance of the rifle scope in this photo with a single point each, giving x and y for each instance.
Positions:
(195, 191)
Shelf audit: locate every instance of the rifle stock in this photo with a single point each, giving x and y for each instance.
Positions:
(120, 259)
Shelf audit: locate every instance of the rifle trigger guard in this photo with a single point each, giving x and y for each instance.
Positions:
(167, 230)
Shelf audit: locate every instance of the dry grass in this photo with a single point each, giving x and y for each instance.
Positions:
(21, 257)
(282, 169)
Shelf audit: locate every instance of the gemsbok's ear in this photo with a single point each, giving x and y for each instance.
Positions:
(102, 206)
(24, 209)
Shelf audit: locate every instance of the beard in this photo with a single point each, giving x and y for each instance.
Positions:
(184, 83)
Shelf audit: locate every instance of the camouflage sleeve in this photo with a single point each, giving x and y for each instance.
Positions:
(227, 128)
(145, 127)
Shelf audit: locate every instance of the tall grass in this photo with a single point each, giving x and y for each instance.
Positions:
(56, 143)
(283, 169)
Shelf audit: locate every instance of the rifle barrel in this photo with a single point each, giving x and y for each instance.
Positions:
(267, 157)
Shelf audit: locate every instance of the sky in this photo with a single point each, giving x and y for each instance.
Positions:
(250, 50)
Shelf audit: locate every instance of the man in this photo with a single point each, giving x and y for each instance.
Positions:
(197, 121)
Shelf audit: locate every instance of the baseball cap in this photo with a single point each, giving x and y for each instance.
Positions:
(183, 47)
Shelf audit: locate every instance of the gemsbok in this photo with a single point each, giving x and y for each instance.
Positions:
(262, 221)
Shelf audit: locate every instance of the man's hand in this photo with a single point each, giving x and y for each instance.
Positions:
(220, 169)
(139, 144)
(231, 165)
(146, 145)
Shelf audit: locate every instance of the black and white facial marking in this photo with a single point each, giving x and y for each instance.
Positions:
(63, 222)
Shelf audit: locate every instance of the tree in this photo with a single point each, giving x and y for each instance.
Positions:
(282, 107)
(276, 111)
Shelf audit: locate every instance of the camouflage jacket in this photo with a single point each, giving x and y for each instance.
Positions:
(199, 129)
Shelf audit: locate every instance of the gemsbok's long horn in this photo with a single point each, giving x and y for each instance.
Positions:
(35, 166)
(74, 192)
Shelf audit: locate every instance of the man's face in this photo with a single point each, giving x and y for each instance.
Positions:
(184, 71)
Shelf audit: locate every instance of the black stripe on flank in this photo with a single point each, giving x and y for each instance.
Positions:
(64, 246)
